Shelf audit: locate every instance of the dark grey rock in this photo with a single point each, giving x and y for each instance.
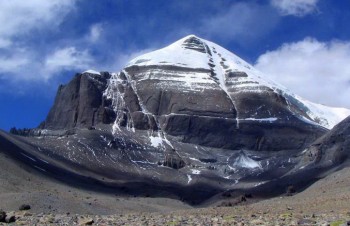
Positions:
(80, 103)
(2, 216)
(24, 207)
(10, 219)
(143, 121)
(174, 161)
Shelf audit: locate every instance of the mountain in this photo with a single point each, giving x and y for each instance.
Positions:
(194, 82)
(190, 120)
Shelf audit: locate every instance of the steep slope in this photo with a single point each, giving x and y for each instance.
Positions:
(23, 180)
(330, 150)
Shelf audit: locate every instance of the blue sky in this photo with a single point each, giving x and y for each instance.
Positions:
(302, 44)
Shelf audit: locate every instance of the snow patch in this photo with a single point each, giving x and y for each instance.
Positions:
(189, 178)
(325, 115)
(243, 161)
(92, 72)
(174, 54)
(156, 141)
(272, 119)
(196, 172)
(260, 183)
(194, 159)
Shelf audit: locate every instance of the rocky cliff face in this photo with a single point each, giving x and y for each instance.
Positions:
(80, 103)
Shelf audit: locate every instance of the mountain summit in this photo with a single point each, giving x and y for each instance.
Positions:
(192, 119)
(234, 76)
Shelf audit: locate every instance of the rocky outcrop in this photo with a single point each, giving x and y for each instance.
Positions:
(80, 103)
(173, 160)
(332, 148)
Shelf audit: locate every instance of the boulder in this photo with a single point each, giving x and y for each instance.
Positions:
(10, 219)
(24, 207)
(174, 161)
(2, 216)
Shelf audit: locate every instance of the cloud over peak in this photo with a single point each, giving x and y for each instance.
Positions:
(67, 58)
(319, 71)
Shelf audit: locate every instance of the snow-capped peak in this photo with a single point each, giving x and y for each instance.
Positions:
(195, 53)
(175, 54)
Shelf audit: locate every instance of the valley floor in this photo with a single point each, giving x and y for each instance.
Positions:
(52, 202)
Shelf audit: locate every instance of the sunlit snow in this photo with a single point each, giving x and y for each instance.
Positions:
(92, 72)
(223, 61)
(243, 161)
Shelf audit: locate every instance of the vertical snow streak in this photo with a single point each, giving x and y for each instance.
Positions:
(220, 75)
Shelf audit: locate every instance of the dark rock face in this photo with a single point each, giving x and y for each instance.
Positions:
(210, 116)
(80, 103)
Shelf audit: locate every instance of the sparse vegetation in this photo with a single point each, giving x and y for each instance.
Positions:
(337, 223)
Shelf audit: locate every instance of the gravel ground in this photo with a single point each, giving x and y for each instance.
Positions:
(228, 217)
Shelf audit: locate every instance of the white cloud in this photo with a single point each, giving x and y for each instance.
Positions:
(13, 61)
(4, 43)
(295, 7)
(319, 71)
(18, 17)
(95, 32)
(21, 65)
(67, 59)
(241, 22)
